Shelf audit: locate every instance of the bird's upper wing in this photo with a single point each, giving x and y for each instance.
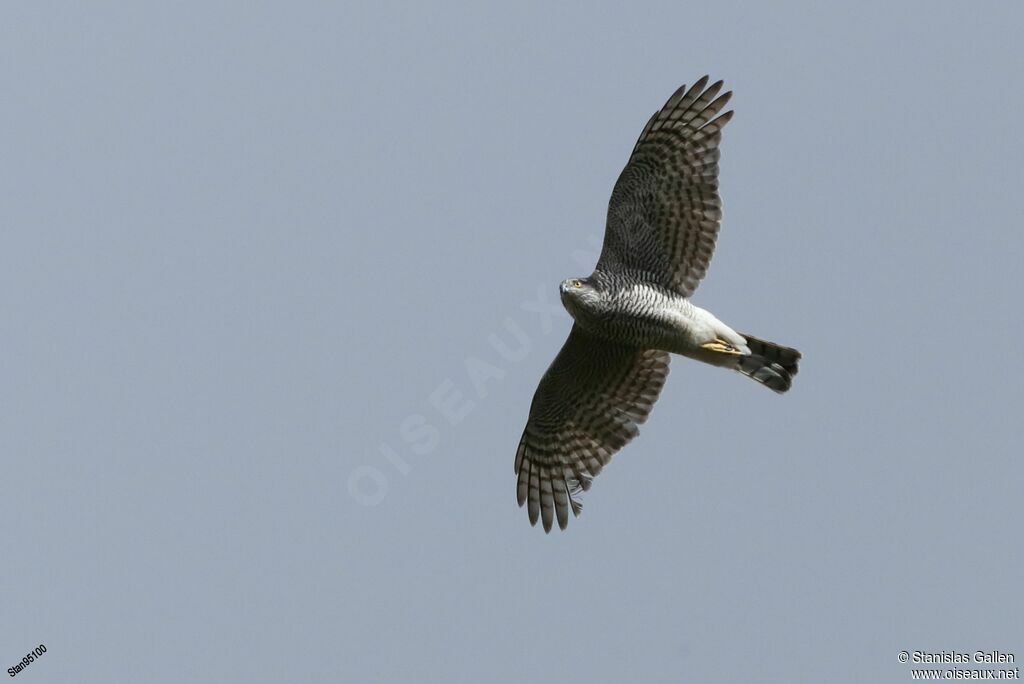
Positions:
(665, 211)
(586, 408)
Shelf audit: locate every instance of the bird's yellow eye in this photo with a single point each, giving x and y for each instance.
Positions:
(577, 284)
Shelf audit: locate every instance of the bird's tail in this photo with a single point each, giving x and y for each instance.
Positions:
(770, 364)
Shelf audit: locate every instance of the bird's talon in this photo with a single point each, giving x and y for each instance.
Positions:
(721, 347)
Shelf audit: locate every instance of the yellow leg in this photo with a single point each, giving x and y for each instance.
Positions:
(722, 347)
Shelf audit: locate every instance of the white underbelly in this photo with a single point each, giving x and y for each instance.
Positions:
(699, 326)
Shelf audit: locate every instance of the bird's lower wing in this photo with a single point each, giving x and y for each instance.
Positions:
(588, 406)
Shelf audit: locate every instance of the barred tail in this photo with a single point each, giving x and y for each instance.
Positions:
(770, 364)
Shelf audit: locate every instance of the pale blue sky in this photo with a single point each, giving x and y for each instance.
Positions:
(250, 253)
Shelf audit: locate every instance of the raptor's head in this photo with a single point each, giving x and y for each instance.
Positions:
(579, 295)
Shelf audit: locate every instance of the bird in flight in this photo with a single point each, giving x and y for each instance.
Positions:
(634, 310)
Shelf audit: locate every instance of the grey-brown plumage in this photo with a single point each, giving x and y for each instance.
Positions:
(634, 310)
(664, 213)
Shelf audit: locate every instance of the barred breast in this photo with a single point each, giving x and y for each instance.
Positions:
(647, 316)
